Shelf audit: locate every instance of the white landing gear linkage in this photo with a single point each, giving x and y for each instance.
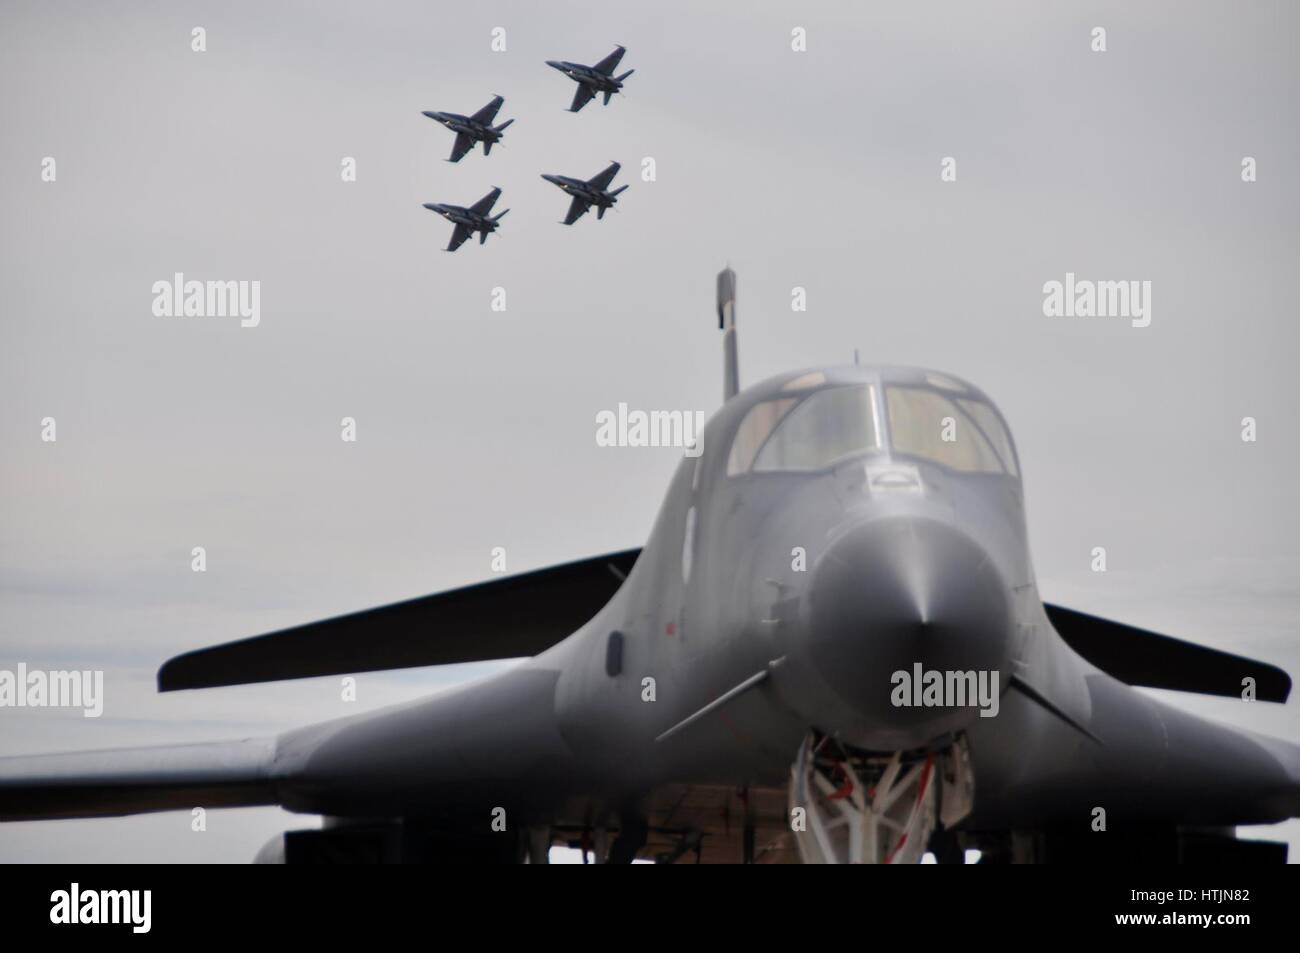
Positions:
(848, 808)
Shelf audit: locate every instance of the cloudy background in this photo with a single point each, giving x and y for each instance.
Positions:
(476, 428)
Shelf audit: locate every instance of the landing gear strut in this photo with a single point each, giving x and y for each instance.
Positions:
(871, 808)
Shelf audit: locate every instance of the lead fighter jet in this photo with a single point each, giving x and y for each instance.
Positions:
(593, 79)
(469, 220)
(588, 192)
(732, 689)
(472, 129)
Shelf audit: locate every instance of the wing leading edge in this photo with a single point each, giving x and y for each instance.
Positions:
(1138, 657)
(514, 617)
(464, 142)
(605, 176)
(577, 208)
(458, 236)
(484, 205)
(581, 97)
(488, 112)
(137, 780)
(610, 63)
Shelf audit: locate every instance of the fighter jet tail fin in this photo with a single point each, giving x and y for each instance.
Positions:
(513, 617)
(624, 76)
(1139, 657)
(607, 96)
(727, 322)
(621, 188)
(489, 143)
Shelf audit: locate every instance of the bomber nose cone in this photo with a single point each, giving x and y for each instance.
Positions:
(896, 593)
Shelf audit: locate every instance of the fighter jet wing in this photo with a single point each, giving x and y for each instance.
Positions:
(506, 618)
(488, 112)
(464, 143)
(483, 205)
(610, 63)
(601, 180)
(577, 208)
(581, 97)
(458, 236)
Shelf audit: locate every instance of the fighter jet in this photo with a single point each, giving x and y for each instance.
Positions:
(589, 192)
(469, 220)
(593, 79)
(472, 129)
(831, 648)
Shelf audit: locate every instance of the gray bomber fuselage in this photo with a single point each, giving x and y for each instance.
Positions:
(906, 561)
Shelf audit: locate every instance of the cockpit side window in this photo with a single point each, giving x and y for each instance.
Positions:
(986, 418)
(961, 434)
(754, 431)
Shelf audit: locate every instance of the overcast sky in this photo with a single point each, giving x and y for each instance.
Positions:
(818, 169)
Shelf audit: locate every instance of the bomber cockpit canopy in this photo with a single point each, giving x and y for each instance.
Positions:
(812, 423)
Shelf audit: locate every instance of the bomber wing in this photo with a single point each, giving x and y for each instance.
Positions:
(1138, 657)
(610, 63)
(137, 780)
(517, 616)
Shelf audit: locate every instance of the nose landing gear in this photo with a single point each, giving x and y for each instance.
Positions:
(871, 808)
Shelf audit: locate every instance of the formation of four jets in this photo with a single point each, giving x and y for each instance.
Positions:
(592, 81)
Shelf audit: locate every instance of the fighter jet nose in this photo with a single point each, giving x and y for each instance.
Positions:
(914, 596)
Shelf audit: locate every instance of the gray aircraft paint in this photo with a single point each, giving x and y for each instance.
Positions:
(1124, 436)
(560, 737)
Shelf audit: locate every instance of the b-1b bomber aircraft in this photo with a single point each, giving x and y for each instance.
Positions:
(831, 648)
